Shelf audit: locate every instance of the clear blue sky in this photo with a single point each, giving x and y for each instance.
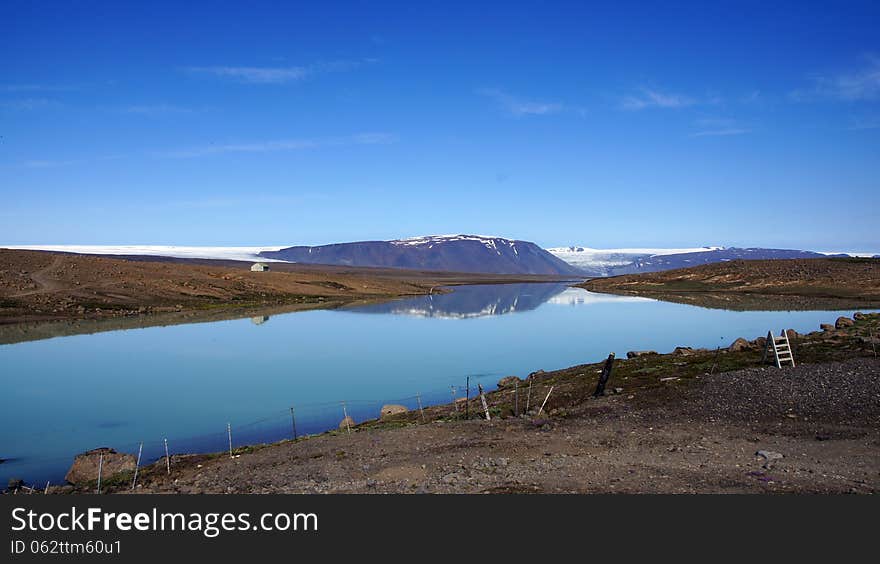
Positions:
(611, 124)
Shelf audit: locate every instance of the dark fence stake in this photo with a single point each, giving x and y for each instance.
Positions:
(606, 374)
(516, 399)
(293, 421)
(467, 399)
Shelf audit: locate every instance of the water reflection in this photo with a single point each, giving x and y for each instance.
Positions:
(475, 301)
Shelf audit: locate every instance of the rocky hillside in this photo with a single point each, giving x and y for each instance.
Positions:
(842, 282)
(450, 253)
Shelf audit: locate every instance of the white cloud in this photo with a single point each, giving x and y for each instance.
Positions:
(254, 75)
(153, 110)
(860, 85)
(281, 145)
(649, 98)
(28, 104)
(518, 107)
(719, 127)
(277, 75)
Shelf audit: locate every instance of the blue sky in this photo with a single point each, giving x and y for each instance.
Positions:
(606, 124)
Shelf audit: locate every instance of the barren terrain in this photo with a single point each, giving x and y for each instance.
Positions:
(87, 293)
(836, 283)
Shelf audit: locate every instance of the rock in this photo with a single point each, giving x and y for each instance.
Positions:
(683, 351)
(635, 354)
(85, 466)
(536, 373)
(826, 327)
(346, 423)
(15, 484)
(618, 390)
(769, 457)
(792, 334)
(389, 410)
(844, 322)
(859, 316)
(739, 345)
(760, 342)
(508, 381)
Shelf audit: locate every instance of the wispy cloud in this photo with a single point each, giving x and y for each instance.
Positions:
(864, 123)
(55, 163)
(281, 145)
(853, 86)
(519, 107)
(276, 75)
(254, 75)
(28, 104)
(36, 88)
(649, 98)
(719, 127)
(153, 110)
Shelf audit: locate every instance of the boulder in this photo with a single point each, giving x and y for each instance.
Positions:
(739, 345)
(346, 423)
(635, 354)
(85, 466)
(508, 381)
(760, 342)
(792, 334)
(826, 327)
(390, 409)
(859, 315)
(844, 322)
(683, 351)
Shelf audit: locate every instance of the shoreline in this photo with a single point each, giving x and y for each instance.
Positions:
(45, 294)
(659, 388)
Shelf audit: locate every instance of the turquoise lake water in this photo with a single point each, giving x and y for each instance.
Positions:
(66, 395)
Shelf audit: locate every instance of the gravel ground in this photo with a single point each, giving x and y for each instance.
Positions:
(816, 425)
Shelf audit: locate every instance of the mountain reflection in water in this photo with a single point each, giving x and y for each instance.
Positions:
(482, 300)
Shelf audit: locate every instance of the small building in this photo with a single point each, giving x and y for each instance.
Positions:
(260, 267)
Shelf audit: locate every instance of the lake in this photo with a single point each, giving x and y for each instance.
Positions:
(66, 395)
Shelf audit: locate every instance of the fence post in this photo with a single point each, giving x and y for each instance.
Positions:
(454, 403)
(137, 465)
(100, 471)
(467, 399)
(345, 418)
(293, 420)
(229, 433)
(606, 374)
(167, 458)
(46, 491)
(529, 396)
(545, 401)
(483, 400)
(516, 399)
(421, 411)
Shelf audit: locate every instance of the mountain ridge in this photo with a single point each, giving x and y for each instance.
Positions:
(460, 253)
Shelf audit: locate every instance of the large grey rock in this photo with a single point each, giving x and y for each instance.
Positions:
(635, 354)
(739, 345)
(508, 381)
(346, 423)
(389, 410)
(85, 466)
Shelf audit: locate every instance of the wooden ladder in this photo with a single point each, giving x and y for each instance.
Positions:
(781, 349)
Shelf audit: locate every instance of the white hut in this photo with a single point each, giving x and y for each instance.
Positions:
(260, 267)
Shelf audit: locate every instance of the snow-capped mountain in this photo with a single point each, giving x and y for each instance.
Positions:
(602, 262)
(613, 262)
(455, 253)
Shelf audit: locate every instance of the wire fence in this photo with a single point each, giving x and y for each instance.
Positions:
(295, 422)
